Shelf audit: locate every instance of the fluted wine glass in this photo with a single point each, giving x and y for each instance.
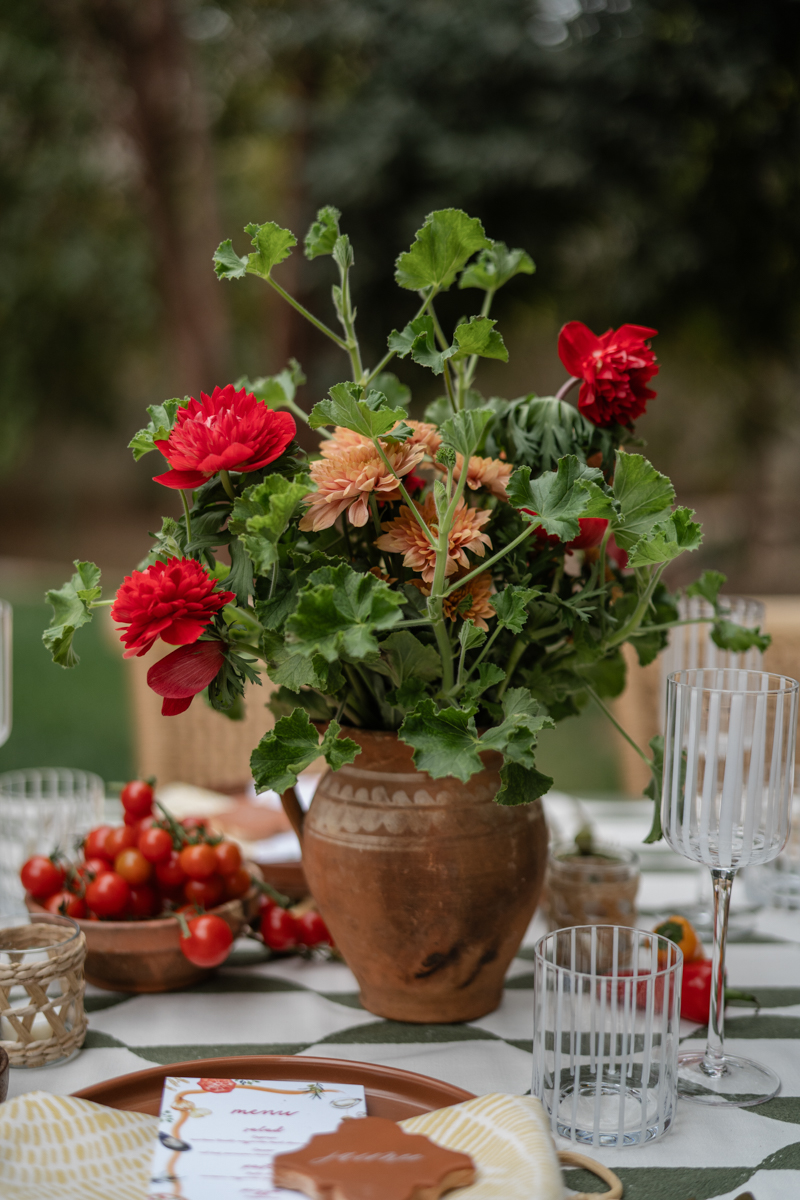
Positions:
(729, 750)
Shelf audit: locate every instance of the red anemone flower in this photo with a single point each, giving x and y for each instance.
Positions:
(179, 676)
(615, 368)
(226, 431)
(175, 601)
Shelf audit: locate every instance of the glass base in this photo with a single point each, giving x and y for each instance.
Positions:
(741, 1084)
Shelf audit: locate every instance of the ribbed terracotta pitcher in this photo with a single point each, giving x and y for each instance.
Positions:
(426, 884)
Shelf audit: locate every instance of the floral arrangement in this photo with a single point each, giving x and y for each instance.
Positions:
(467, 579)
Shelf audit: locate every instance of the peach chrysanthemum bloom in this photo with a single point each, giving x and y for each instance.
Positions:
(348, 478)
(489, 473)
(403, 535)
(479, 611)
(424, 434)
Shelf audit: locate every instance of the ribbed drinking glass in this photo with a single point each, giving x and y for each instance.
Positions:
(729, 752)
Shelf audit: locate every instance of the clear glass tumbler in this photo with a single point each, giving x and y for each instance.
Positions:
(605, 1039)
(729, 753)
(41, 810)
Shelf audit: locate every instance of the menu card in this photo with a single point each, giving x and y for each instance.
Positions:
(218, 1137)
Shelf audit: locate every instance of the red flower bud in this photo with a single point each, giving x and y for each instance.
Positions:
(182, 674)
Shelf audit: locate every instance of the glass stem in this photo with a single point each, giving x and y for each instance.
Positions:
(713, 1065)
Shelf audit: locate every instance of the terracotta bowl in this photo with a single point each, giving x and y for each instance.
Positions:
(145, 956)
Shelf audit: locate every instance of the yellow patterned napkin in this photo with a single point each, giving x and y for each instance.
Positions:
(61, 1148)
(508, 1139)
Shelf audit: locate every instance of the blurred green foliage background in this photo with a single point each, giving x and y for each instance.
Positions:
(645, 152)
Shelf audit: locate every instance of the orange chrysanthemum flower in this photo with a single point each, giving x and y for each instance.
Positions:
(489, 473)
(479, 611)
(347, 478)
(403, 535)
(424, 434)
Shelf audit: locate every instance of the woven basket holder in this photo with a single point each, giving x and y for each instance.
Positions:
(64, 963)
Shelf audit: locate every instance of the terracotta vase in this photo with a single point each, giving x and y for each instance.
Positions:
(426, 884)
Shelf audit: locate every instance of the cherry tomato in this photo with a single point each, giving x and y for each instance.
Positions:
(199, 861)
(312, 930)
(170, 873)
(145, 823)
(194, 824)
(155, 845)
(65, 904)
(137, 798)
(279, 929)
(133, 866)
(144, 902)
(229, 857)
(122, 837)
(95, 844)
(237, 883)
(108, 896)
(209, 941)
(93, 867)
(129, 819)
(41, 877)
(217, 1085)
(265, 903)
(205, 893)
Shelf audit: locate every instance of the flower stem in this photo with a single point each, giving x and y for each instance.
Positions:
(472, 365)
(101, 603)
(641, 608)
(517, 651)
(340, 342)
(186, 514)
(567, 387)
(402, 489)
(226, 483)
(490, 561)
(617, 725)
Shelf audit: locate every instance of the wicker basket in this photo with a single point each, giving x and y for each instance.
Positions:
(45, 960)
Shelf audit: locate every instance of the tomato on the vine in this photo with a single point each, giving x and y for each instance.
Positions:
(137, 799)
(133, 866)
(41, 877)
(229, 857)
(155, 844)
(237, 883)
(209, 941)
(122, 837)
(144, 902)
(108, 895)
(198, 861)
(170, 873)
(66, 904)
(205, 893)
(279, 928)
(312, 930)
(95, 843)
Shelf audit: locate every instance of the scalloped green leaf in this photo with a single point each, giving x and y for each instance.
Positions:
(511, 605)
(368, 415)
(495, 266)
(441, 248)
(556, 499)
(340, 611)
(292, 746)
(71, 611)
(321, 237)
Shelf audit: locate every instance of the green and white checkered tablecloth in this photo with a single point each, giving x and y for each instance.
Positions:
(292, 1006)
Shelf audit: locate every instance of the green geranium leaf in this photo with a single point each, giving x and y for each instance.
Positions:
(441, 248)
(292, 746)
(511, 606)
(515, 737)
(402, 342)
(445, 741)
(489, 675)
(495, 266)
(368, 415)
(708, 586)
(70, 611)
(469, 636)
(521, 785)
(557, 498)
(405, 657)
(240, 578)
(321, 237)
(739, 638)
(407, 695)
(272, 246)
(339, 612)
(296, 671)
(396, 393)
(162, 420)
(607, 676)
(465, 431)
(227, 263)
(275, 390)
(261, 515)
(666, 540)
(478, 336)
(642, 498)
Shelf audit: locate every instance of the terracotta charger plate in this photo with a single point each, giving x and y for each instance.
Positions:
(390, 1092)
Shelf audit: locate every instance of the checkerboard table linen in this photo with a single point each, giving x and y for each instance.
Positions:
(294, 1006)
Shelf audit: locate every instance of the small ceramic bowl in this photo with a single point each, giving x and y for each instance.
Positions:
(146, 956)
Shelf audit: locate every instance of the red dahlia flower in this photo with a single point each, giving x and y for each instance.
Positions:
(226, 431)
(175, 601)
(615, 369)
(179, 676)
